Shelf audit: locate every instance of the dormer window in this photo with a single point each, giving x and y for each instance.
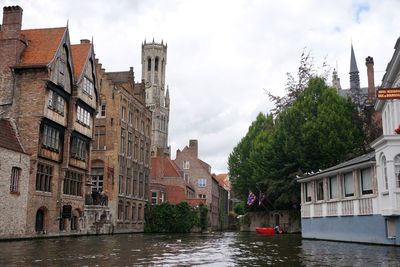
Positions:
(61, 71)
(56, 102)
(88, 86)
(83, 116)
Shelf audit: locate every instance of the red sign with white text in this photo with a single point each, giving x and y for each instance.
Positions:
(388, 93)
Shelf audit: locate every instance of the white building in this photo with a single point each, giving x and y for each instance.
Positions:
(359, 200)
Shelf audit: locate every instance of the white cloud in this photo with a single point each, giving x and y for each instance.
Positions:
(223, 54)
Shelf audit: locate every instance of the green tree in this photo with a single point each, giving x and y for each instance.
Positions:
(316, 130)
(240, 161)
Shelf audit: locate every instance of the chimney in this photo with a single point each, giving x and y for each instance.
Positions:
(193, 146)
(85, 41)
(369, 61)
(12, 21)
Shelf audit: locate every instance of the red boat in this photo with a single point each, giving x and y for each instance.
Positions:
(265, 230)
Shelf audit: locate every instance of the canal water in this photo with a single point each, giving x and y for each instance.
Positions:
(214, 249)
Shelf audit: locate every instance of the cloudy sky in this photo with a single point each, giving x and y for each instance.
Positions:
(223, 55)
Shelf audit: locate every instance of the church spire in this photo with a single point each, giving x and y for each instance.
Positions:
(354, 74)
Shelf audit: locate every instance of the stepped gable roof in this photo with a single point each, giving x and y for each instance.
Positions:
(8, 137)
(42, 45)
(120, 76)
(80, 53)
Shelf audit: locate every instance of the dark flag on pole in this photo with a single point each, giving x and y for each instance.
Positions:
(261, 198)
(251, 198)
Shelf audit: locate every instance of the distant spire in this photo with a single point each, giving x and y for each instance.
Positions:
(353, 62)
(354, 74)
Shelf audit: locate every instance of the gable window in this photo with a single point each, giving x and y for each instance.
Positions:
(51, 138)
(83, 116)
(333, 187)
(320, 190)
(186, 165)
(56, 102)
(73, 183)
(43, 177)
(348, 185)
(61, 71)
(202, 182)
(78, 148)
(366, 181)
(88, 86)
(14, 180)
(397, 170)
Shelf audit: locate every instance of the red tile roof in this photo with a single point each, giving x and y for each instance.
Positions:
(164, 167)
(42, 45)
(8, 137)
(223, 179)
(80, 53)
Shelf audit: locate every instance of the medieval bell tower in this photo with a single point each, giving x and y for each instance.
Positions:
(154, 60)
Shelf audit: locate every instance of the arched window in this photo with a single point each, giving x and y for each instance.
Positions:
(39, 223)
(397, 170)
(14, 179)
(149, 64)
(156, 64)
(384, 173)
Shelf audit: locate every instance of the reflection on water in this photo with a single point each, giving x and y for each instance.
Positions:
(215, 249)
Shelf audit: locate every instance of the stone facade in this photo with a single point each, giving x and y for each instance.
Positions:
(154, 61)
(14, 175)
(52, 101)
(121, 150)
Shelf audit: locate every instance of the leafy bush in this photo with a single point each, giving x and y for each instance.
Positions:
(169, 218)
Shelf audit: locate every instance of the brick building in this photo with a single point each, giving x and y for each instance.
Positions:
(121, 150)
(206, 185)
(14, 178)
(168, 183)
(49, 88)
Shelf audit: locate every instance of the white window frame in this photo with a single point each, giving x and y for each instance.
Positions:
(368, 191)
(351, 178)
(186, 165)
(202, 182)
(397, 170)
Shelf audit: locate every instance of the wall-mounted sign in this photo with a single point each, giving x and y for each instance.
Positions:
(388, 93)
